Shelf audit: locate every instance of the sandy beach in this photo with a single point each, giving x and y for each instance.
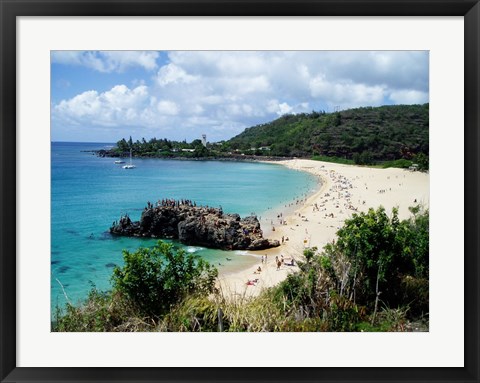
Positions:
(345, 189)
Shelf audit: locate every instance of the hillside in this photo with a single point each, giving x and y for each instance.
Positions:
(364, 135)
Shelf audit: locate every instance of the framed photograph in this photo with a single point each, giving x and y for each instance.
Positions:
(329, 131)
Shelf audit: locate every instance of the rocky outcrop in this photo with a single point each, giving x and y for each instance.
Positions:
(195, 225)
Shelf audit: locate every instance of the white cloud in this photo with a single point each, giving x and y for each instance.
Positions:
(409, 96)
(120, 60)
(233, 90)
(240, 86)
(196, 109)
(281, 108)
(86, 103)
(284, 108)
(346, 94)
(120, 96)
(168, 107)
(107, 61)
(172, 74)
(222, 63)
(118, 106)
(210, 99)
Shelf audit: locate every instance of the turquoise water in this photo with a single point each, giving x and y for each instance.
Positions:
(88, 193)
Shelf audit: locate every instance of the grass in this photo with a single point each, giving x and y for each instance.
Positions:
(268, 312)
(336, 160)
(401, 163)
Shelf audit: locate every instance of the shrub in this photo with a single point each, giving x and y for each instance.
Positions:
(380, 254)
(376, 259)
(157, 278)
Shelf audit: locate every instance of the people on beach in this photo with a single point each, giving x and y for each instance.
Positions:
(341, 198)
(292, 262)
(169, 202)
(278, 264)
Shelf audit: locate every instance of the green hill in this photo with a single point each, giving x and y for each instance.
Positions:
(363, 135)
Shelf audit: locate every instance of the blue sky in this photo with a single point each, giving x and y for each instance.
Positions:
(103, 96)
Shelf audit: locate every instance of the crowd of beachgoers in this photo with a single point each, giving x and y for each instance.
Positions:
(313, 220)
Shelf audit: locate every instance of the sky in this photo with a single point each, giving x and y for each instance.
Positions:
(103, 96)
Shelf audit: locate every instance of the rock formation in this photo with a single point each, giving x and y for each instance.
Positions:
(195, 225)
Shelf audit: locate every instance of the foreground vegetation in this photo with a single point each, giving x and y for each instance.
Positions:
(374, 277)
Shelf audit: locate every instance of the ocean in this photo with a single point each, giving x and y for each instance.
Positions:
(88, 193)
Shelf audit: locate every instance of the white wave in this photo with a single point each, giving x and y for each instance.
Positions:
(193, 249)
(241, 252)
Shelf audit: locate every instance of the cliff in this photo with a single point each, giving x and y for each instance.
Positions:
(195, 225)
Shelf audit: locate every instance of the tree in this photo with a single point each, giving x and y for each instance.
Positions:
(280, 149)
(381, 251)
(422, 161)
(201, 151)
(337, 119)
(365, 158)
(122, 145)
(156, 278)
(309, 253)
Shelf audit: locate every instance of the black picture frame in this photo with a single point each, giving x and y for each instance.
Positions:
(10, 9)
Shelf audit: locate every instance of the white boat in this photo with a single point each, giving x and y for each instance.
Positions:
(130, 165)
(119, 161)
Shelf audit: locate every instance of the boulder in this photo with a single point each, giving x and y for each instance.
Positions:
(195, 225)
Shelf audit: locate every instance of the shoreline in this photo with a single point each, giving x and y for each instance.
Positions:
(104, 153)
(345, 189)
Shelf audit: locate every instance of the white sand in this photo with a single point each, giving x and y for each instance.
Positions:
(345, 188)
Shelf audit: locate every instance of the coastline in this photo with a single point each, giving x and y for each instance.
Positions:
(346, 189)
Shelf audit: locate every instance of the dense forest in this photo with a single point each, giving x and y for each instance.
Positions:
(364, 135)
(395, 135)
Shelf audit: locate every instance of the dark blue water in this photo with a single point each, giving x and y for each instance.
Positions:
(89, 193)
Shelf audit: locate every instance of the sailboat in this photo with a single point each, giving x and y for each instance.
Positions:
(130, 165)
